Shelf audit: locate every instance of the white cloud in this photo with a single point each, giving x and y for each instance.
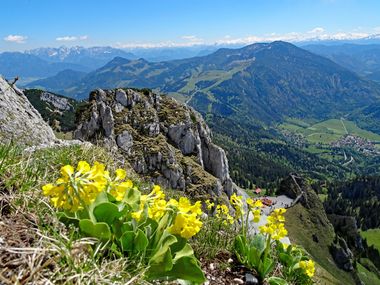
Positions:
(316, 30)
(316, 34)
(15, 39)
(72, 38)
(189, 38)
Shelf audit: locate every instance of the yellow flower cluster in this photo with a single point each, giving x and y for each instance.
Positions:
(223, 213)
(275, 226)
(186, 222)
(237, 203)
(308, 266)
(209, 204)
(117, 188)
(255, 207)
(77, 188)
(155, 204)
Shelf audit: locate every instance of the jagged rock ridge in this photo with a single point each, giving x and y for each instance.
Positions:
(164, 141)
(19, 120)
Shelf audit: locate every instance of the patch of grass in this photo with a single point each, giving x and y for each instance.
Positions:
(36, 246)
(366, 276)
(213, 240)
(372, 236)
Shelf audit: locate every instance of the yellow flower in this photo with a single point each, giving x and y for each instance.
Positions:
(184, 205)
(83, 167)
(209, 204)
(137, 215)
(223, 213)
(173, 202)
(67, 171)
(120, 174)
(237, 203)
(275, 225)
(157, 209)
(77, 187)
(186, 225)
(308, 266)
(119, 190)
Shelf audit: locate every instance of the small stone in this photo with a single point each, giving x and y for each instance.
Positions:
(238, 281)
(211, 266)
(250, 279)
(230, 260)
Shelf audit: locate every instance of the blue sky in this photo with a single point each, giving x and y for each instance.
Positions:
(28, 24)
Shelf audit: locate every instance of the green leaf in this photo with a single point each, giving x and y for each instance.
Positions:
(259, 242)
(187, 268)
(241, 249)
(67, 219)
(276, 281)
(141, 241)
(127, 227)
(132, 198)
(160, 256)
(267, 267)
(187, 250)
(160, 265)
(98, 230)
(285, 259)
(127, 240)
(179, 245)
(253, 257)
(107, 212)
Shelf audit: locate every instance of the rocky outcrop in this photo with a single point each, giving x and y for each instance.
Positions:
(343, 256)
(164, 140)
(19, 120)
(60, 103)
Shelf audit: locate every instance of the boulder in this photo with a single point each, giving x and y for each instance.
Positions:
(20, 122)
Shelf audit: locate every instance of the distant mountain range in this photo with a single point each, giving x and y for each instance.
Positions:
(91, 58)
(259, 82)
(362, 59)
(45, 62)
(29, 67)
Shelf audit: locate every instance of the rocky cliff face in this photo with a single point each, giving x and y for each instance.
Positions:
(19, 120)
(164, 141)
(60, 103)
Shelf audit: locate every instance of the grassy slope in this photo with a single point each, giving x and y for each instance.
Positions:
(368, 277)
(301, 225)
(373, 237)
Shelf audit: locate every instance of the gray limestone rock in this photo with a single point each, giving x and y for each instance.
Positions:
(125, 141)
(166, 142)
(19, 120)
(58, 102)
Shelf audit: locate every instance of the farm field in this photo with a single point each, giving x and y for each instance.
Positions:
(326, 132)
